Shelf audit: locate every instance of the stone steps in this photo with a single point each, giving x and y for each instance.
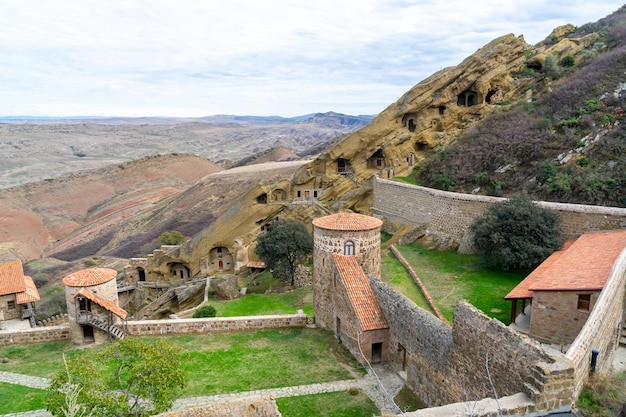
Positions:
(622, 339)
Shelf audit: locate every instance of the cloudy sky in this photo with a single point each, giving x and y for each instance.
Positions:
(270, 57)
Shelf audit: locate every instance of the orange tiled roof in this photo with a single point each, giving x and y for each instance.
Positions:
(583, 266)
(103, 302)
(256, 264)
(348, 222)
(11, 278)
(89, 277)
(360, 293)
(30, 294)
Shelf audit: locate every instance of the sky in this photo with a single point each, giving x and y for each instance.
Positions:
(184, 58)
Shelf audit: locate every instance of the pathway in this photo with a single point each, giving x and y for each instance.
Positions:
(369, 384)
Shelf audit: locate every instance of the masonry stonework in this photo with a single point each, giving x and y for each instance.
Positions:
(36, 335)
(448, 215)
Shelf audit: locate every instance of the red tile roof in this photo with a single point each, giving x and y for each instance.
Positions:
(583, 266)
(348, 222)
(89, 277)
(12, 278)
(103, 302)
(256, 264)
(30, 295)
(360, 293)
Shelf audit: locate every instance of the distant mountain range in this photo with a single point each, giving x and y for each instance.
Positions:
(343, 119)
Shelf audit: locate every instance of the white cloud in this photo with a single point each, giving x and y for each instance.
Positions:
(194, 58)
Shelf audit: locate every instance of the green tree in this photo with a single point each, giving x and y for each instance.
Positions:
(128, 378)
(286, 245)
(173, 237)
(517, 233)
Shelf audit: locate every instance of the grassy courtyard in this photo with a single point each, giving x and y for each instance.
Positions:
(451, 277)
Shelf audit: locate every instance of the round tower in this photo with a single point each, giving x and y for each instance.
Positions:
(348, 234)
(92, 304)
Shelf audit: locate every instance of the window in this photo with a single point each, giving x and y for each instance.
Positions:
(348, 248)
(299, 193)
(10, 305)
(584, 302)
(314, 193)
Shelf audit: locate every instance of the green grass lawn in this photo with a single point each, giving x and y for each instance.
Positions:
(451, 277)
(17, 398)
(222, 363)
(332, 404)
(288, 302)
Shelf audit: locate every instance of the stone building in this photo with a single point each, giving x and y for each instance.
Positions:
(564, 289)
(346, 256)
(18, 293)
(92, 306)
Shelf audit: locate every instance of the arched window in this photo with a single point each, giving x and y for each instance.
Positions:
(348, 248)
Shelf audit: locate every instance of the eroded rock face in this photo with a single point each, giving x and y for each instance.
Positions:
(226, 287)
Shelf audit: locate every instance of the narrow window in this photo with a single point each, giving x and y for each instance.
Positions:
(584, 302)
(299, 193)
(10, 305)
(348, 248)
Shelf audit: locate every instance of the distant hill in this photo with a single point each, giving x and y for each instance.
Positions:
(51, 147)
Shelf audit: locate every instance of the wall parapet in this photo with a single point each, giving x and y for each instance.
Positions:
(36, 335)
(214, 325)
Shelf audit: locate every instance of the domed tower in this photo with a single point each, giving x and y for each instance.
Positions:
(348, 234)
(92, 305)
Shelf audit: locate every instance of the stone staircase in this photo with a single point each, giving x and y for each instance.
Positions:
(99, 323)
(353, 177)
(622, 338)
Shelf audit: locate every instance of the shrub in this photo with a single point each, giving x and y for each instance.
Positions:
(204, 312)
(173, 237)
(567, 61)
(517, 233)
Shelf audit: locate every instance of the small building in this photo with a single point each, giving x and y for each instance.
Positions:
(563, 290)
(346, 255)
(92, 306)
(18, 293)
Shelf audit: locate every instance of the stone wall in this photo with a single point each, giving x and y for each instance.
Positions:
(431, 352)
(214, 325)
(602, 329)
(448, 215)
(36, 335)
(244, 407)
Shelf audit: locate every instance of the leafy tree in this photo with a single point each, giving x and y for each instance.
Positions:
(517, 233)
(173, 237)
(286, 245)
(128, 378)
(204, 311)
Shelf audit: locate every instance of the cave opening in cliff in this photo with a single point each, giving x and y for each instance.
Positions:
(442, 109)
(490, 95)
(377, 160)
(466, 99)
(411, 125)
(262, 199)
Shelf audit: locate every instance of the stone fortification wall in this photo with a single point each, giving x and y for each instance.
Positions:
(244, 407)
(36, 335)
(431, 352)
(449, 215)
(602, 329)
(214, 325)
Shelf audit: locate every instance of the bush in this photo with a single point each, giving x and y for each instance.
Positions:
(517, 233)
(204, 312)
(567, 61)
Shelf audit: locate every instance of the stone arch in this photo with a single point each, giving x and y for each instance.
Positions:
(410, 159)
(343, 166)
(490, 95)
(262, 199)
(467, 98)
(409, 121)
(220, 259)
(279, 195)
(179, 270)
(377, 160)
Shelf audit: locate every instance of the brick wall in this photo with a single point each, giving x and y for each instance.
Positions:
(214, 325)
(449, 215)
(37, 335)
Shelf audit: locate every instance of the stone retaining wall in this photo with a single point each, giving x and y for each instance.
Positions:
(244, 407)
(602, 329)
(449, 215)
(36, 335)
(214, 325)
(431, 352)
